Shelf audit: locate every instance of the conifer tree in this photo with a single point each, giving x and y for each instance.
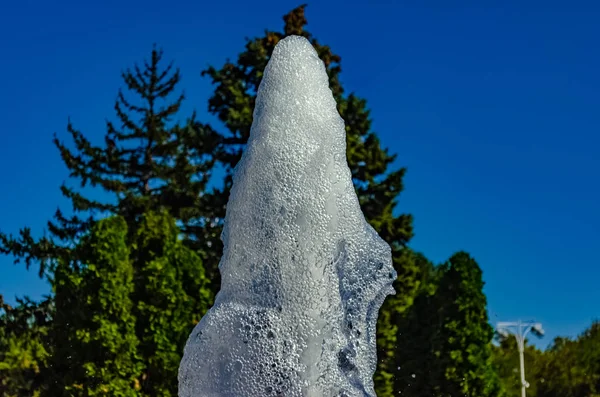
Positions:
(461, 344)
(124, 310)
(413, 358)
(93, 330)
(377, 184)
(148, 162)
(402, 337)
(444, 343)
(171, 295)
(24, 346)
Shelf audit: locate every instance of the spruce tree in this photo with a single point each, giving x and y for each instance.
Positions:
(378, 185)
(93, 330)
(148, 161)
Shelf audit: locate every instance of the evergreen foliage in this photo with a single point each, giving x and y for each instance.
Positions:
(24, 344)
(93, 330)
(445, 343)
(463, 346)
(152, 173)
(171, 295)
(123, 311)
(148, 162)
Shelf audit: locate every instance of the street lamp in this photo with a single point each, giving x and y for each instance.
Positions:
(520, 330)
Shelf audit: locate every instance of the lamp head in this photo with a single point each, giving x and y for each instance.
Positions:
(537, 330)
(503, 333)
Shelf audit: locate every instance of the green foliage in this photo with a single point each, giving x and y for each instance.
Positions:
(568, 368)
(23, 346)
(463, 346)
(147, 162)
(156, 172)
(572, 367)
(415, 362)
(171, 296)
(124, 310)
(445, 338)
(506, 363)
(397, 348)
(93, 331)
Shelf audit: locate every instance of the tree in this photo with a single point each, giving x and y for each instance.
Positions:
(93, 330)
(463, 345)
(445, 342)
(506, 363)
(23, 346)
(416, 329)
(149, 162)
(124, 310)
(403, 341)
(171, 295)
(572, 367)
(377, 184)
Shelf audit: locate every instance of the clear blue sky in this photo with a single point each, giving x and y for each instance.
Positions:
(494, 109)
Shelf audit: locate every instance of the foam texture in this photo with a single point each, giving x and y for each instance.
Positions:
(303, 273)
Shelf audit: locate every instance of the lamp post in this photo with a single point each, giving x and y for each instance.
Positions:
(520, 330)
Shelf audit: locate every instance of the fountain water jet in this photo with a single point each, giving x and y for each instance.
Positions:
(303, 274)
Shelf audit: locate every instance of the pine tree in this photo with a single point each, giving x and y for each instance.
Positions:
(147, 162)
(377, 185)
(93, 330)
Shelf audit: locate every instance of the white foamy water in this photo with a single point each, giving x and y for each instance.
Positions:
(303, 274)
